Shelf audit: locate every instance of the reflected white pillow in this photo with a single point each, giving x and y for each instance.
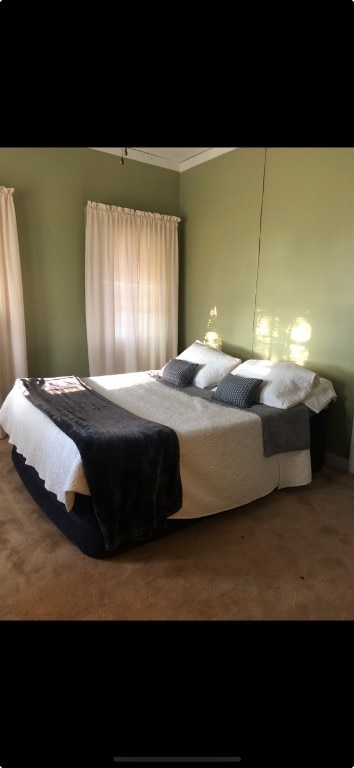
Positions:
(284, 384)
(320, 396)
(213, 364)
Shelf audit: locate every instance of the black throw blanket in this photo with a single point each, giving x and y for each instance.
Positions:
(131, 464)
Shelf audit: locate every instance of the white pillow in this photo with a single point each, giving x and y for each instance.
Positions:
(284, 384)
(320, 396)
(213, 364)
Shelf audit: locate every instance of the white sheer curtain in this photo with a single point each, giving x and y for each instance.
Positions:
(13, 356)
(131, 275)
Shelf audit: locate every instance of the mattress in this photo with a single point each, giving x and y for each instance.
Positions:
(222, 462)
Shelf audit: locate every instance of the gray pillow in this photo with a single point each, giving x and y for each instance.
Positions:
(237, 390)
(179, 372)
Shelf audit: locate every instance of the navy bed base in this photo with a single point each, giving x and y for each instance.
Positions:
(80, 524)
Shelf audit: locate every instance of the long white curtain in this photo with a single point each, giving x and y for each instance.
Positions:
(131, 276)
(13, 356)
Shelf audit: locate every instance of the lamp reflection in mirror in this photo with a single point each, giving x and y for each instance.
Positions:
(212, 338)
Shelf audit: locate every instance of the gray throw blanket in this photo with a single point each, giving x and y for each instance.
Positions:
(284, 429)
(131, 464)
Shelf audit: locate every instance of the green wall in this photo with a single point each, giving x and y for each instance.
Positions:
(220, 209)
(52, 187)
(297, 302)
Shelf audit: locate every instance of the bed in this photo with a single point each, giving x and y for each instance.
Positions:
(217, 407)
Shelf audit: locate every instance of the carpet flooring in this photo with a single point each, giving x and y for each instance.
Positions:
(287, 556)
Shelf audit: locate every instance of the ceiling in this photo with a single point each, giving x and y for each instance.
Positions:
(174, 158)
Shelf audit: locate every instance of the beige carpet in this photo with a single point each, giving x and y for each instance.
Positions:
(287, 556)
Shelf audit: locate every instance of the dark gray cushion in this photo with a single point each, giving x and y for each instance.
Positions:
(179, 372)
(237, 390)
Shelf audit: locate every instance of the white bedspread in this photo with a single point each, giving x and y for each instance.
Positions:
(221, 449)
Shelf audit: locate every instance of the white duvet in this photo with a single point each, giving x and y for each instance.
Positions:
(221, 449)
